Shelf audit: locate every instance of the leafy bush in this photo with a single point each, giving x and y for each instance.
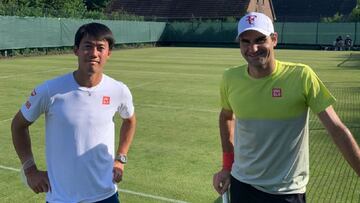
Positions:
(80, 9)
(354, 16)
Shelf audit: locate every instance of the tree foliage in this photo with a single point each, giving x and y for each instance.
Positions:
(96, 5)
(337, 18)
(354, 16)
(94, 9)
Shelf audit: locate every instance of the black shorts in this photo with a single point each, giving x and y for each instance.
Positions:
(244, 193)
(112, 199)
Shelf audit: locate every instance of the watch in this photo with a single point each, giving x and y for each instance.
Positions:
(122, 158)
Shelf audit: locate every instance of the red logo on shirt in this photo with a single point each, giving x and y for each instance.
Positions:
(28, 104)
(33, 93)
(276, 92)
(106, 100)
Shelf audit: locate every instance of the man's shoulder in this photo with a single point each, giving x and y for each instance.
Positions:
(60, 79)
(292, 66)
(234, 69)
(58, 84)
(109, 81)
(296, 69)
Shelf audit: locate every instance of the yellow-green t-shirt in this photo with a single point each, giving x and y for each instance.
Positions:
(271, 132)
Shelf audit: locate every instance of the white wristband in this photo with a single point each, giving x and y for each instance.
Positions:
(28, 163)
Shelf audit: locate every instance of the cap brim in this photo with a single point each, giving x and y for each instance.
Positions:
(256, 29)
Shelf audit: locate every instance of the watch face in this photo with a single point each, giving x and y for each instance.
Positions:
(122, 158)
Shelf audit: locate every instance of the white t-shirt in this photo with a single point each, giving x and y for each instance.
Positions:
(79, 135)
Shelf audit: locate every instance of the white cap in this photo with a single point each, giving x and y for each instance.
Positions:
(256, 21)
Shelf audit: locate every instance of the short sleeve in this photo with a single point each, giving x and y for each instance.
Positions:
(224, 97)
(318, 97)
(126, 109)
(36, 104)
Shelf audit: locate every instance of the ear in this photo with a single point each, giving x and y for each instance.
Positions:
(274, 38)
(75, 50)
(109, 53)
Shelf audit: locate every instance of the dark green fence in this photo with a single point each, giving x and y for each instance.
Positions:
(289, 33)
(30, 32)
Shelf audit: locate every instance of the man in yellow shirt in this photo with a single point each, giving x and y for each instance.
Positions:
(264, 121)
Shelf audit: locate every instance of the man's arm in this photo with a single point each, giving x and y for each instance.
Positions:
(21, 137)
(221, 180)
(37, 180)
(226, 124)
(342, 137)
(127, 132)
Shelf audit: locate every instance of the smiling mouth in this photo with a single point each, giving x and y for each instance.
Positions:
(92, 61)
(256, 55)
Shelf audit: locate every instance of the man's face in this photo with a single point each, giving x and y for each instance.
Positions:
(92, 55)
(257, 48)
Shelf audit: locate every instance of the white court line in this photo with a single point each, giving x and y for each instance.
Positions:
(167, 73)
(44, 71)
(9, 168)
(146, 83)
(151, 196)
(177, 107)
(3, 121)
(121, 190)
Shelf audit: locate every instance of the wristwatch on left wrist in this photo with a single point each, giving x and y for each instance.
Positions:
(122, 158)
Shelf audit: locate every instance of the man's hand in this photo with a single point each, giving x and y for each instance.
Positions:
(37, 180)
(221, 181)
(118, 171)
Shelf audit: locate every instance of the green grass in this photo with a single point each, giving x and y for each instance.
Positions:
(176, 149)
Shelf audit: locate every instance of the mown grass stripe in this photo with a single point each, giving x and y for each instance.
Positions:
(121, 190)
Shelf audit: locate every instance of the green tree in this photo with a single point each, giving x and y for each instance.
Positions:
(94, 9)
(19, 8)
(96, 5)
(335, 19)
(62, 8)
(49, 8)
(355, 13)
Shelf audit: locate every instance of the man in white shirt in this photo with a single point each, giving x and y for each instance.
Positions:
(79, 107)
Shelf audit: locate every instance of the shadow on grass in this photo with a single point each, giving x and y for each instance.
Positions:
(218, 200)
(351, 61)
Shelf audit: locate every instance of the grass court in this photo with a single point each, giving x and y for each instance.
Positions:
(176, 149)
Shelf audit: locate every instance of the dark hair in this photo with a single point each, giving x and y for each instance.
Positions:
(97, 30)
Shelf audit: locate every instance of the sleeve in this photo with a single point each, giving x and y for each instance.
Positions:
(224, 96)
(36, 104)
(126, 108)
(318, 97)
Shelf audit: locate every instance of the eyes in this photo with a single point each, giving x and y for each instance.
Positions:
(258, 41)
(92, 46)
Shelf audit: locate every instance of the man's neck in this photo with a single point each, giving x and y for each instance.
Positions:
(262, 71)
(87, 80)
